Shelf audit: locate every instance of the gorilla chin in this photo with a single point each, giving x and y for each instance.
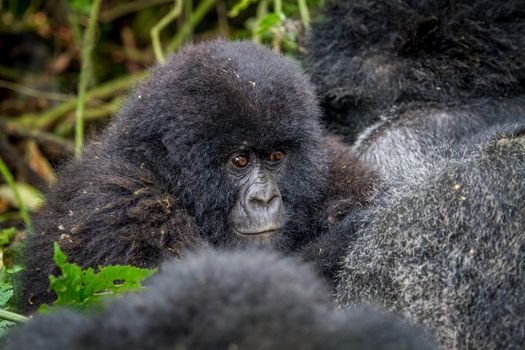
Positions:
(265, 231)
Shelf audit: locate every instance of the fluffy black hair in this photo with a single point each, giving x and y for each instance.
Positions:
(237, 300)
(446, 248)
(367, 56)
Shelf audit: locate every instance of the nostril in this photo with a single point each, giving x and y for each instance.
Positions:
(273, 199)
(256, 201)
(262, 201)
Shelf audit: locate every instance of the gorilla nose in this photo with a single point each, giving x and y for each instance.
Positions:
(264, 207)
(264, 198)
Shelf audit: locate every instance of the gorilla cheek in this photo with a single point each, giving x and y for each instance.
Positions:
(258, 213)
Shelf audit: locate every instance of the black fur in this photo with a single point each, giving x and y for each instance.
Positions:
(154, 184)
(446, 248)
(367, 56)
(431, 95)
(350, 186)
(241, 300)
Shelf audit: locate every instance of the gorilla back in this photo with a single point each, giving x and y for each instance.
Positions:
(220, 146)
(383, 57)
(431, 95)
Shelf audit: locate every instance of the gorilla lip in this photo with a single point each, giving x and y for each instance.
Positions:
(258, 234)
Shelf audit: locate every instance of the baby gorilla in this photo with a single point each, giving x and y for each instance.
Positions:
(241, 300)
(221, 146)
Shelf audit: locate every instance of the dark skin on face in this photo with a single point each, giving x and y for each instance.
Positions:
(258, 213)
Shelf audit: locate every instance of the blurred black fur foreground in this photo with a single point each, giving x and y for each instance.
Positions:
(431, 96)
(220, 147)
(213, 300)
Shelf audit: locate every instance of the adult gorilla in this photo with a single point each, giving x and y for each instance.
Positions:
(221, 146)
(431, 95)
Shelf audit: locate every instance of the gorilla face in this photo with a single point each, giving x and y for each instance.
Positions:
(258, 210)
(233, 130)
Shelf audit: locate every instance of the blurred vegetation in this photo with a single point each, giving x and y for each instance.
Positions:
(66, 67)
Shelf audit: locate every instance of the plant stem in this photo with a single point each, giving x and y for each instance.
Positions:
(94, 113)
(128, 7)
(155, 31)
(87, 48)
(47, 140)
(204, 7)
(9, 178)
(11, 316)
(52, 115)
(262, 10)
(72, 19)
(188, 14)
(278, 6)
(278, 30)
(25, 90)
(305, 14)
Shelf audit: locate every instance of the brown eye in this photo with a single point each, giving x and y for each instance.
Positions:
(276, 157)
(240, 160)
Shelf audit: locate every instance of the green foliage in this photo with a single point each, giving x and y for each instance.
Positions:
(277, 22)
(81, 288)
(82, 6)
(6, 235)
(240, 6)
(268, 22)
(6, 293)
(6, 285)
(9, 178)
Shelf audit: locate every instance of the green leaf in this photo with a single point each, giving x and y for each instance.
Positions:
(240, 6)
(80, 288)
(82, 6)
(15, 269)
(5, 326)
(6, 292)
(269, 21)
(6, 235)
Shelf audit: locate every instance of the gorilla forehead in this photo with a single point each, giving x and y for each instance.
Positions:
(228, 94)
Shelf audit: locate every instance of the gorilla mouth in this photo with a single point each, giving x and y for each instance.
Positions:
(265, 233)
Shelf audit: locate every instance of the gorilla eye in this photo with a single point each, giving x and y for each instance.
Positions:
(240, 160)
(276, 156)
